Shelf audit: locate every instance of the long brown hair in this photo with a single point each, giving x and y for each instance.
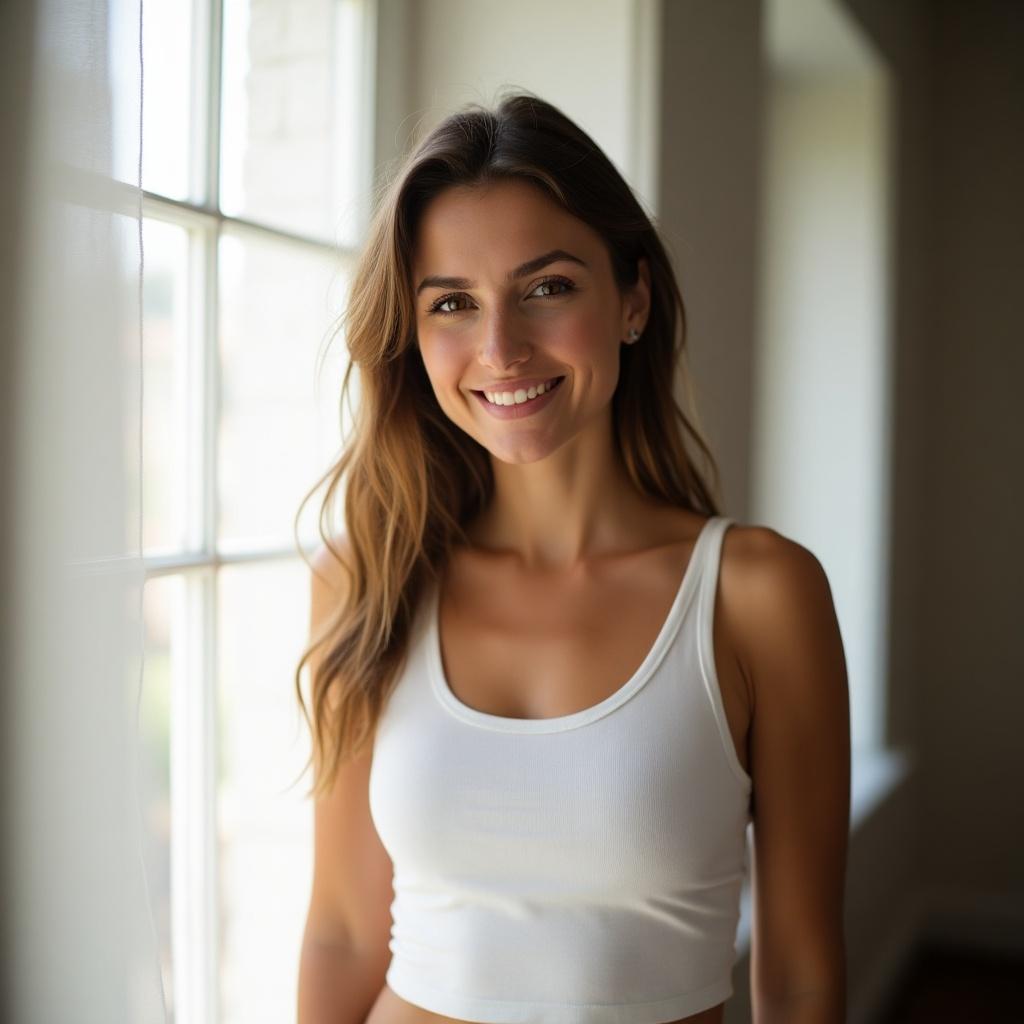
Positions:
(412, 479)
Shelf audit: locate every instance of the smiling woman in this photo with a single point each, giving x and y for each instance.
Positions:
(518, 325)
(538, 646)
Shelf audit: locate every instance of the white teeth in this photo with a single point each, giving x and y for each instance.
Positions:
(518, 396)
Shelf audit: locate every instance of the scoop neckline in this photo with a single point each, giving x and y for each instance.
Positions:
(560, 723)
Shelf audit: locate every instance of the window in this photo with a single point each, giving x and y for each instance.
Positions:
(256, 172)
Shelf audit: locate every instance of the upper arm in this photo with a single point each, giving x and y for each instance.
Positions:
(790, 646)
(350, 904)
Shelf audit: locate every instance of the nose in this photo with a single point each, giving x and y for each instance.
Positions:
(504, 341)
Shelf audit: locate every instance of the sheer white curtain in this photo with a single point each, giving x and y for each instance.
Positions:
(78, 939)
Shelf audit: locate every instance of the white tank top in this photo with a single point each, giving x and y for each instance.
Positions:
(584, 869)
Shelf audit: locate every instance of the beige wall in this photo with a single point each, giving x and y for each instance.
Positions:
(583, 56)
(709, 170)
(821, 433)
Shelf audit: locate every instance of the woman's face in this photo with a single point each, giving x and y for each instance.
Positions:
(510, 291)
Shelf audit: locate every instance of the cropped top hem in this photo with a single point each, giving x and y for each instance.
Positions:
(406, 984)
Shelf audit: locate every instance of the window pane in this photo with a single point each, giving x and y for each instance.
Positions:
(124, 79)
(162, 598)
(169, 71)
(265, 821)
(279, 424)
(165, 391)
(294, 116)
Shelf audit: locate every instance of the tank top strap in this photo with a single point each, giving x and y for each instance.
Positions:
(710, 556)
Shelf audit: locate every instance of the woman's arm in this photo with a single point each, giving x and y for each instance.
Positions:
(780, 614)
(345, 950)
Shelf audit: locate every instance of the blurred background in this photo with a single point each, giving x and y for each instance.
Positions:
(184, 188)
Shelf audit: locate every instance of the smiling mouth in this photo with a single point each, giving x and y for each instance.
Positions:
(553, 385)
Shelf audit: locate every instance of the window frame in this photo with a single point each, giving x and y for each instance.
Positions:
(195, 922)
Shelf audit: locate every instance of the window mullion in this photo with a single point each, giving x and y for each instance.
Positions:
(197, 899)
(206, 103)
(212, 391)
(210, 776)
(194, 720)
(208, 440)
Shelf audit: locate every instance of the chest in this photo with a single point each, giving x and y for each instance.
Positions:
(529, 647)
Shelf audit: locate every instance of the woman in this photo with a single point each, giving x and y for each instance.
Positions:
(551, 683)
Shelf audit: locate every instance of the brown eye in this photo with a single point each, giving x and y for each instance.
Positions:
(561, 283)
(436, 306)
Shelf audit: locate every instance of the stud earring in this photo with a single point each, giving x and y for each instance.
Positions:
(633, 334)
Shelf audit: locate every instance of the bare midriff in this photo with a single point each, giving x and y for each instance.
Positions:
(391, 1008)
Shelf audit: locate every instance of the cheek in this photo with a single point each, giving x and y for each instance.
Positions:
(587, 337)
(443, 363)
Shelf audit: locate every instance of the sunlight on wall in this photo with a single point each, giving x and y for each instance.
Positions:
(822, 408)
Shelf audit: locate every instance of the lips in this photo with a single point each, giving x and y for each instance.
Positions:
(522, 409)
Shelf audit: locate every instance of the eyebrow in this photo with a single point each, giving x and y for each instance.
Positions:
(523, 270)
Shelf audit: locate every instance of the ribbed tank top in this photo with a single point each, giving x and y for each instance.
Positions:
(584, 869)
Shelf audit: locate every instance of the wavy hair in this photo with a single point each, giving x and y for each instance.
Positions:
(411, 479)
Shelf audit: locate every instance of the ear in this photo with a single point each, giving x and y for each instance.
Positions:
(636, 305)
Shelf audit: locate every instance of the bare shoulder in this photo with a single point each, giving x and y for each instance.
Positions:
(775, 599)
(762, 559)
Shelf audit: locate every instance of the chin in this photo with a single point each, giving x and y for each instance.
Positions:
(522, 456)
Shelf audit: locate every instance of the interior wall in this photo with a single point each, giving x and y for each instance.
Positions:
(708, 202)
(957, 478)
(902, 33)
(822, 411)
(393, 84)
(466, 49)
(437, 56)
(17, 29)
(972, 708)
